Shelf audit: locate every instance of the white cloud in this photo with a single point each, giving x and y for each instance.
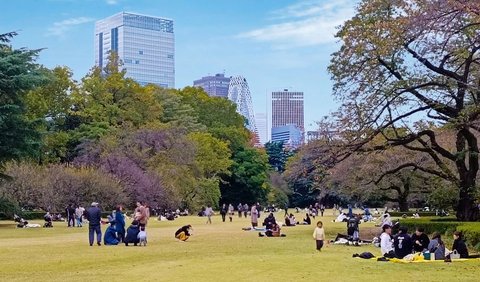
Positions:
(60, 28)
(306, 23)
(111, 2)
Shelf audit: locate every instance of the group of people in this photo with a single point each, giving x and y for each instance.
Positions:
(402, 244)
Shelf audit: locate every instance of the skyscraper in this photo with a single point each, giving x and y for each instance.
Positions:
(287, 108)
(261, 123)
(145, 44)
(216, 85)
(239, 93)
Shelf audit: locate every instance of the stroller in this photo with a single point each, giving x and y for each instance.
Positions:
(48, 221)
(21, 223)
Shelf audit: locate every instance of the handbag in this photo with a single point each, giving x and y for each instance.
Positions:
(454, 255)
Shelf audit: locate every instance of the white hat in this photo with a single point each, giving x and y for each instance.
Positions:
(94, 204)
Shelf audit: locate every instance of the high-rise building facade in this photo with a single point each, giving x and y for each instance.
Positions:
(239, 93)
(145, 44)
(290, 135)
(287, 108)
(261, 123)
(216, 85)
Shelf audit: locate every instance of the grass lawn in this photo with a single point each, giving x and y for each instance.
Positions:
(217, 252)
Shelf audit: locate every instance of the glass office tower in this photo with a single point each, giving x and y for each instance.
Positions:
(145, 44)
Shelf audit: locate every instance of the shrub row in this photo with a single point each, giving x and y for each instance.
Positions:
(410, 213)
(470, 230)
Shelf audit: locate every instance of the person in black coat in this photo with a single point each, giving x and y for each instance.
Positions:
(70, 212)
(269, 221)
(94, 215)
(402, 243)
(132, 234)
(420, 240)
(459, 245)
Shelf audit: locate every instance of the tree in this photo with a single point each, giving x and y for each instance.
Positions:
(18, 74)
(405, 60)
(248, 180)
(277, 155)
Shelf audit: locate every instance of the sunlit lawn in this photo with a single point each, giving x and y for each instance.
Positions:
(217, 252)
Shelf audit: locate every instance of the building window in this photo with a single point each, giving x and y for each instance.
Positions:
(140, 52)
(137, 62)
(170, 56)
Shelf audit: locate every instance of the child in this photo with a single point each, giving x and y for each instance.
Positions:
(319, 235)
(132, 234)
(142, 236)
(183, 233)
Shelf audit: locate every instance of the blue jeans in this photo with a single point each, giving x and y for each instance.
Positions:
(96, 229)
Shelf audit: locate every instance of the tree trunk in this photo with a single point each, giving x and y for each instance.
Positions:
(467, 209)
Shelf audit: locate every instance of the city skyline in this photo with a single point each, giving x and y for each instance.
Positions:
(275, 44)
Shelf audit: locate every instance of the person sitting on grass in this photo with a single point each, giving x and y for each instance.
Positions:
(386, 242)
(420, 240)
(273, 232)
(132, 234)
(307, 220)
(402, 243)
(183, 233)
(437, 246)
(110, 237)
(459, 245)
(269, 221)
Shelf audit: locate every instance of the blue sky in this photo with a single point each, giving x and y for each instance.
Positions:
(274, 44)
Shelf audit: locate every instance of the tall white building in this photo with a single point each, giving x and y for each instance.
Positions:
(145, 44)
(239, 93)
(261, 123)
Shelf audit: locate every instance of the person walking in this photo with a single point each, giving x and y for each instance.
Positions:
(223, 212)
(231, 212)
(245, 210)
(94, 215)
(239, 209)
(208, 214)
(319, 235)
(254, 216)
(120, 224)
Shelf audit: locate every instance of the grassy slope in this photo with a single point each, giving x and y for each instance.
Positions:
(221, 251)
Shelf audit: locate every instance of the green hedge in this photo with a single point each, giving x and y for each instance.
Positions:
(470, 230)
(410, 213)
(430, 226)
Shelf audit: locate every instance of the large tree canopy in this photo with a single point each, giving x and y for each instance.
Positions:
(406, 60)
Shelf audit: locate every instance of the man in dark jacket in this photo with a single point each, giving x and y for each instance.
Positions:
(402, 243)
(420, 240)
(94, 215)
(70, 212)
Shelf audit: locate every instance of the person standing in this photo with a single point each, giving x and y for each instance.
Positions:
(245, 210)
(94, 215)
(78, 215)
(319, 235)
(231, 212)
(141, 214)
(223, 212)
(322, 209)
(239, 209)
(120, 224)
(208, 214)
(70, 212)
(254, 216)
